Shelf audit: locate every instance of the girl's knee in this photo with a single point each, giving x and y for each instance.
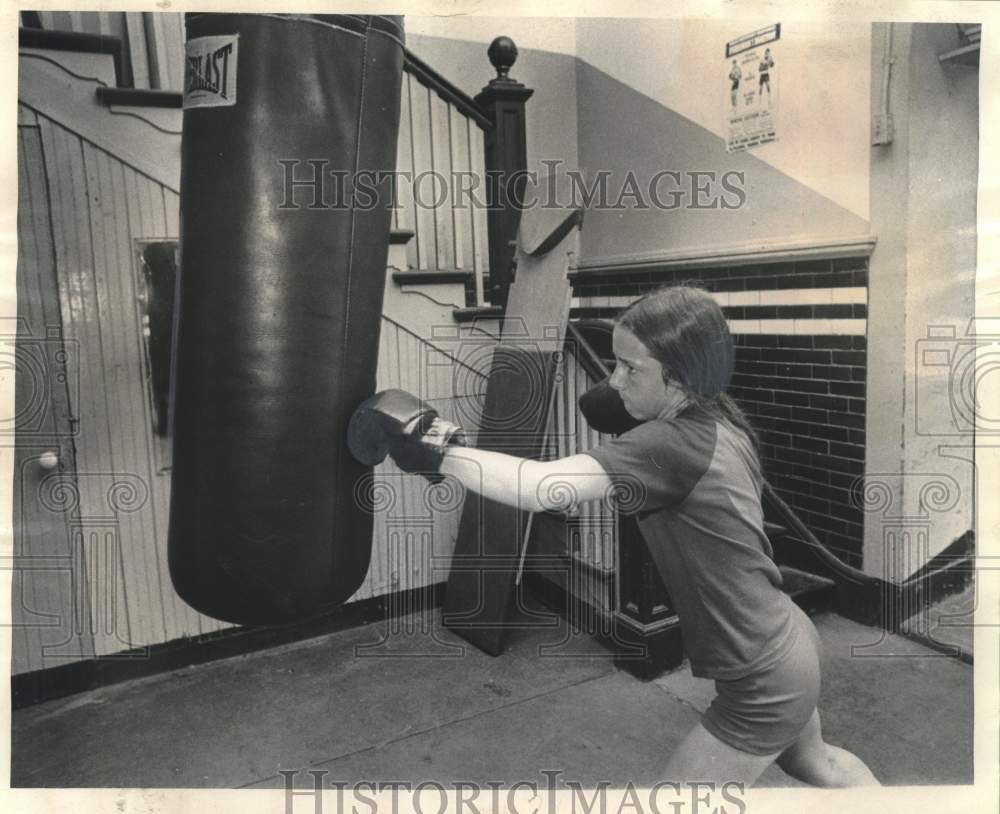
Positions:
(826, 766)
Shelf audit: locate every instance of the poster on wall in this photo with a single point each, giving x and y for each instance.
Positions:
(752, 79)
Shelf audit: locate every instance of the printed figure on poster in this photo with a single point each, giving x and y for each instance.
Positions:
(753, 89)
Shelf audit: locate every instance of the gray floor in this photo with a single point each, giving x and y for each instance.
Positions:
(416, 705)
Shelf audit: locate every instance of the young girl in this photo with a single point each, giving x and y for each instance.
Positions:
(699, 510)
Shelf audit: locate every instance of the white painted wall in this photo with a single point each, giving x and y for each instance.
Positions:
(823, 69)
(556, 34)
(822, 72)
(921, 300)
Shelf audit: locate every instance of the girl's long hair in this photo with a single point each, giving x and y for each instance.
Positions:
(684, 329)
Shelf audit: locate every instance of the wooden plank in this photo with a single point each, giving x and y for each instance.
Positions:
(480, 235)
(403, 212)
(82, 23)
(111, 24)
(38, 283)
(50, 91)
(26, 117)
(420, 128)
(131, 399)
(412, 248)
(115, 464)
(95, 466)
(173, 37)
(109, 464)
(181, 618)
(135, 31)
(157, 50)
(172, 211)
(481, 586)
(150, 222)
(461, 205)
(444, 233)
(135, 395)
(56, 20)
(36, 532)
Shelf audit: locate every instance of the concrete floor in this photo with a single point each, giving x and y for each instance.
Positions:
(950, 620)
(419, 705)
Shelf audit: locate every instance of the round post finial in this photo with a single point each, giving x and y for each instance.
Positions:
(503, 54)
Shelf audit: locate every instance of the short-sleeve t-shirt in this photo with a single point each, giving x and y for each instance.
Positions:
(694, 484)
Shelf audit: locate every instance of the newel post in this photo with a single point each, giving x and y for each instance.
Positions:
(506, 157)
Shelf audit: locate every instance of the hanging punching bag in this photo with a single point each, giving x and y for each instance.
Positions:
(288, 119)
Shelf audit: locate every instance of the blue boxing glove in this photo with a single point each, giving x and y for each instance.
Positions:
(398, 424)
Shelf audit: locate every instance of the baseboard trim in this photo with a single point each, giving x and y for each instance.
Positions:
(51, 683)
(645, 652)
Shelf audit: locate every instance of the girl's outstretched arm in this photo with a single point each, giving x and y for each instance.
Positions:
(535, 486)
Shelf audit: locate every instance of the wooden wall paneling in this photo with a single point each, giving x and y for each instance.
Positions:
(410, 487)
(161, 606)
(172, 212)
(111, 24)
(412, 539)
(480, 236)
(165, 48)
(72, 280)
(56, 20)
(153, 218)
(377, 578)
(173, 37)
(135, 31)
(444, 229)
(403, 211)
(118, 464)
(407, 377)
(124, 182)
(149, 221)
(51, 530)
(410, 89)
(387, 476)
(590, 512)
(460, 204)
(82, 22)
(74, 264)
(40, 529)
(185, 618)
(156, 49)
(420, 128)
(68, 100)
(26, 643)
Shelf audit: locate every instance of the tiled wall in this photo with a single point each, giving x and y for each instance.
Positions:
(801, 347)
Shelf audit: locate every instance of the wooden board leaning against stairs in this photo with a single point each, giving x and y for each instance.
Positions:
(482, 587)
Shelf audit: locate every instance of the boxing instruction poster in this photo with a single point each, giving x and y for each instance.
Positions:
(751, 102)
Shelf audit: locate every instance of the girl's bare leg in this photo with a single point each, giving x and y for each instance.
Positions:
(812, 760)
(703, 758)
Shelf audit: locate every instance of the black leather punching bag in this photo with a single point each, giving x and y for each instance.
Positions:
(283, 263)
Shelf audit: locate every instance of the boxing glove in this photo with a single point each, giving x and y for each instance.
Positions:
(605, 411)
(398, 424)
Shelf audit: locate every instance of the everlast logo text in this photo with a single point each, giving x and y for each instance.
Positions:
(210, 72)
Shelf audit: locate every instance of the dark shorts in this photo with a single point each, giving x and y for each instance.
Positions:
(764, 713)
